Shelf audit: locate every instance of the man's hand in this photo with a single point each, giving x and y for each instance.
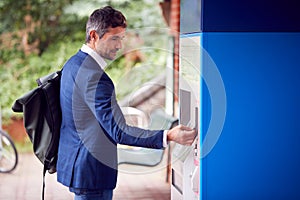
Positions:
(182, 135)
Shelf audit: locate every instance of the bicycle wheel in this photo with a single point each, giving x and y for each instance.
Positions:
(8, 153)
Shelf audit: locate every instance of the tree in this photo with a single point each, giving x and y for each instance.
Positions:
(27, 29)
(33, 22)
(38, 36)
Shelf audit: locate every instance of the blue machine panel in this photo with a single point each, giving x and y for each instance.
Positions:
(257, 154)
(239, 16)
(250, 15)
(255, 45)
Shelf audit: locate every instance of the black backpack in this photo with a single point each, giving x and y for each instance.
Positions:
(42, 120)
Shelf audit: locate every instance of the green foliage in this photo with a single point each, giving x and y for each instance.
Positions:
(62, 34)
(44, 15)
(24, 146)
(19, 75)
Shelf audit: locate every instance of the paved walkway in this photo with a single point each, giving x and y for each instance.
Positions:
(134, 182)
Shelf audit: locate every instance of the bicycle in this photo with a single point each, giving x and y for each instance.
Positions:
(8, 151)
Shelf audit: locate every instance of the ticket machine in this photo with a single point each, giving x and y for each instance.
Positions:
(185, 160)
(239, 87)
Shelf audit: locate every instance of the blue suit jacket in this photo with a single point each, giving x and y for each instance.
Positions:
(92, 125)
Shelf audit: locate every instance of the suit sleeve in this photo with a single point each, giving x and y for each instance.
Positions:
(101, 98)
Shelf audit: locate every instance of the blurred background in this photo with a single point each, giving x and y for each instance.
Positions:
(38, 36)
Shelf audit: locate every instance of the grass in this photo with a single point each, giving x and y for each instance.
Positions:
(24, 147)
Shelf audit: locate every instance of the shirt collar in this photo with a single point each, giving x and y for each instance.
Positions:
(86, 49)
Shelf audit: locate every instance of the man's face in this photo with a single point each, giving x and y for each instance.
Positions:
(110, 43)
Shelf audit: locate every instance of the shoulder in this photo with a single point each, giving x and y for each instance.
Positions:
(78, 58)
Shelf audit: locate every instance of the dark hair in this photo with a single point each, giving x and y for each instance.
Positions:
(102, 19)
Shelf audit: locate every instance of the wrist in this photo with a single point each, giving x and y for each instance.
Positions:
(169, 136)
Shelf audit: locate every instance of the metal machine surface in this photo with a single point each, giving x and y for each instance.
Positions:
(185, 160)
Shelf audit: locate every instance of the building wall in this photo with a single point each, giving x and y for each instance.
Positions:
(175, 27)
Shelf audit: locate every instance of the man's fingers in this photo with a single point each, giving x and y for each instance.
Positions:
(190, 133)
(182, 134)
(188, 136)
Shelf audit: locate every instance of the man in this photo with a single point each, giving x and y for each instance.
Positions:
(92, 122)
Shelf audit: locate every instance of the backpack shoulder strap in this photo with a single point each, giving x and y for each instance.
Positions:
(44, 174)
